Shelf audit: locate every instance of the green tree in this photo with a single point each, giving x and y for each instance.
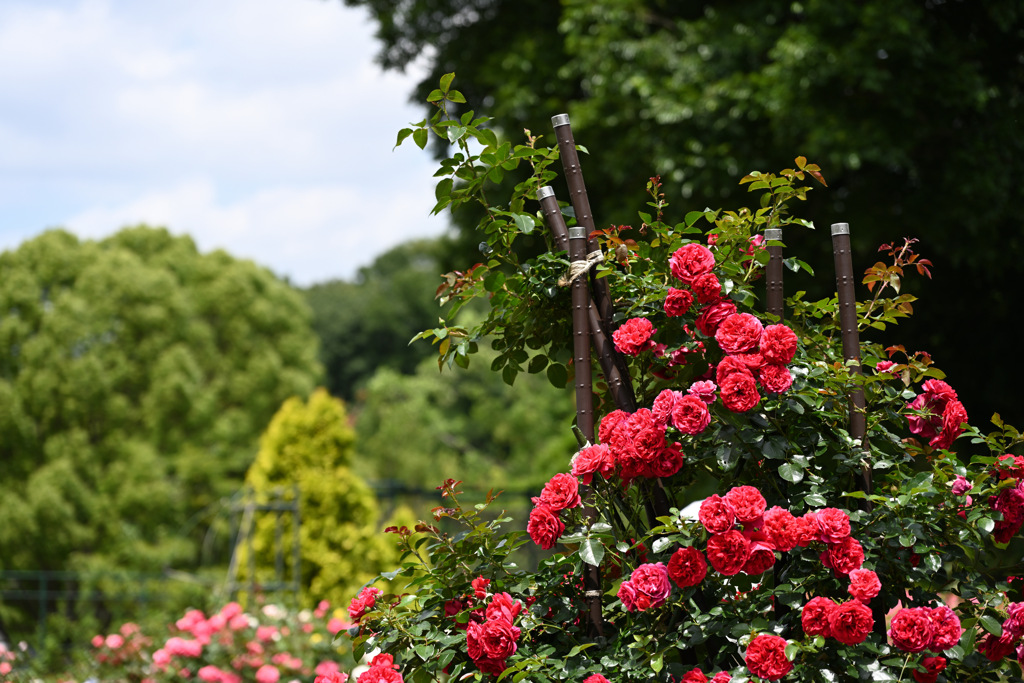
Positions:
(911, 109)
(135, 377)
(311, 445)
(367, 324)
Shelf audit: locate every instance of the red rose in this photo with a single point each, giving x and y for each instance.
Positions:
(739, 333)
(498, 638)
(851, 622)
(730, 365)
(721, 677)
(781, 527)
(953, 418)
(1009, 466)
(778, 344)
(766, 657)
(650, 581)
(677, 302)
(728, 552)
(933, 667)
(593, 460)
(694, 676)
(806, 529)
(480, 587)
(690, 415)
(932, 402)
(911, 629)
(609, 423)
(833, 525)
(687, 567)
(739, 392)
(561, 492)
(668, 462)
(843, 557)
(747, 502)
(710, 317)
(707, 288)
(663, 403)
(691, 260)
(814, 617)
(753, 361)
(544, 526)
(716, 514)
(633, 336)
(595, 678)
(776, 379)
(503, 606)
(946, 629)
(996, 648)
(762, 553)
(362, 603)
(864, 584)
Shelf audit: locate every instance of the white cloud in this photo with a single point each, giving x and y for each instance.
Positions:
(259, 126)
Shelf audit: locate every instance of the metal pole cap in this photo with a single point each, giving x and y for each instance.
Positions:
(840, 229)
(773, 234)
(577, 232)
(559, 120)
(545, 192)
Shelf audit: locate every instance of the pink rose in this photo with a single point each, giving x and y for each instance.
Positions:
(633, 336)
(691, 260)
(690, 415)
(331, 677)
(739, 333)
(766, 657)
(561, 492)
(479, 585)
(544, 526)
(267, 674)
(704, 390)
(677, 302)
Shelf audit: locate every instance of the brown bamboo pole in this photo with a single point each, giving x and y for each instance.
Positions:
(621, 387)
(773, 273)
(851, 339)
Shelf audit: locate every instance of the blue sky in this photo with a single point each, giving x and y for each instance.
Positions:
(259, 126)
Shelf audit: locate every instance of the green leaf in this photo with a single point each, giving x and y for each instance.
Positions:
(455, 133)
(791, 473)
(435, 96)
(907, 541)
(986, 524)
(558, 375)
(456, 96)
(446, 81)
(537, 363)
(524, 223)
(815, 500)
(991, 625)
(419, 136)
(792, 650)
(402, 135)
(424, 651)
(592, 551)
(658, 662)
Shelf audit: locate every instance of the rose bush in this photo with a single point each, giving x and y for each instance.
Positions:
(760, 540)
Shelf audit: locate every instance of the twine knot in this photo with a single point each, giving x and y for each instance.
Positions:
(578, 268)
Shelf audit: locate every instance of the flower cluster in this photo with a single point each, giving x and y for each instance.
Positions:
(493, 640)
(938, 415)
(382, 670)
(362, 603)
(766, 657)
(996, 648)
(1009, 502)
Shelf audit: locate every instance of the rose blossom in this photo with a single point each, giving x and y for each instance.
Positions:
(721, 677)
(911, 629)
(833, 525)
(633, 336)
(960, 486)
(648, 587)
(707, 288)
(851, 622)
(739, 333)
(814, 617)
(933, 667)
(753, 361)
(610, 423)
(716, 514)
(762, 553)
(953, 417)
(747, 502)
(593, 460)
(739, 392)
(691, 260)
(561, 492)
(382, 670)
(331, 677)
(498, 638)
(776, 379)
(365, 601)
(766, 657)
(843, 557)
(690, 415)
(595, 678)
(661, 409)
(932, 401)
(946, 629)
(710, 317)
(687, 567)
(267, 674)
(730, 365)
(704, 390)
(544, 526)
(781, 527)
(677, 302)
(503, 606)
(728, 552)
(778, 344)
(864, 584)
(694, 676)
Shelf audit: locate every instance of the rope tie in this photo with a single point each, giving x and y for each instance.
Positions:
(578, 268)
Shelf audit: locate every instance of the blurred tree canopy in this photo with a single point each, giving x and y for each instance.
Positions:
(341, 540)
(136, 375)
(912, 109)
(367, 324)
